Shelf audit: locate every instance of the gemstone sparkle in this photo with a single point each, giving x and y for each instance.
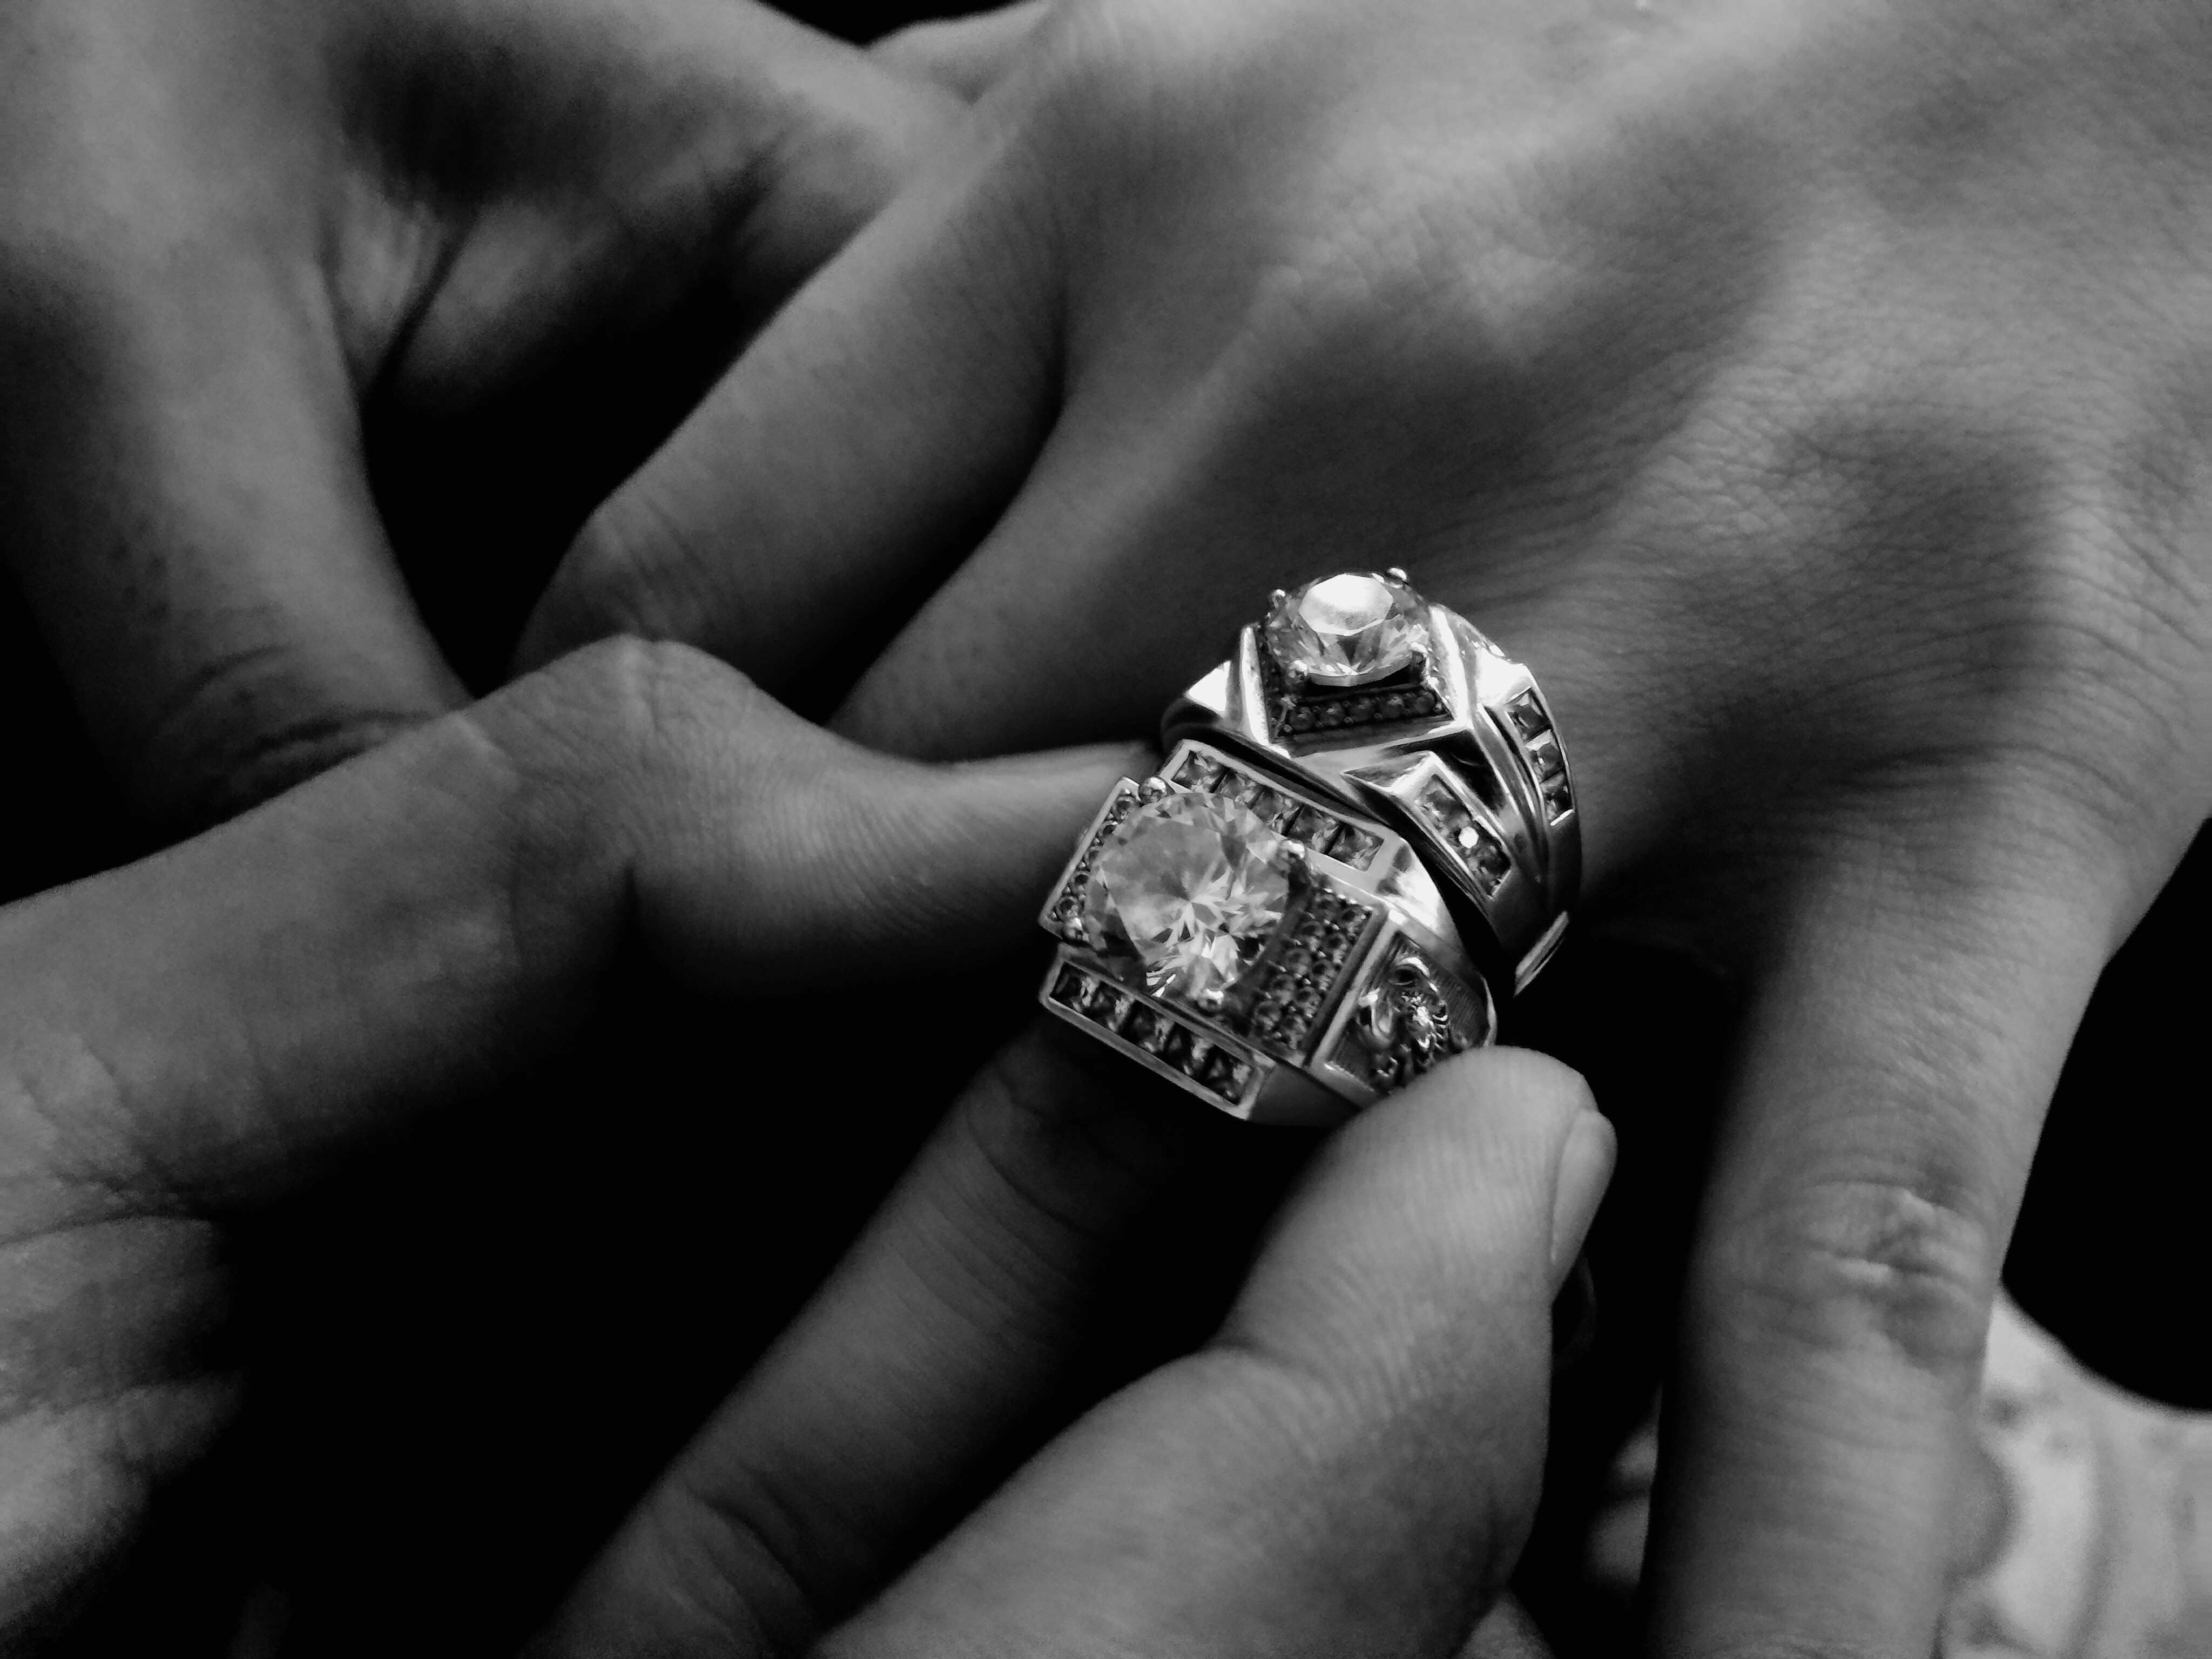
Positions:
(1347, 629)
(1188, 891)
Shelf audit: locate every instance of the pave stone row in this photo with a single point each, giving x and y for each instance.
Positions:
(1453, 823)
(1213, 1066)
(1322, 832)
(1541, 745)
(1303, 975)
(1291, 712)
(1067, 909)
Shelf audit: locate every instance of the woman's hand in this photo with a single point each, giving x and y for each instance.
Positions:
(1814, 395)
(323, 325)
(197, 1047)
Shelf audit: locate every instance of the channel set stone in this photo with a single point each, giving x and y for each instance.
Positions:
(1188, 890)
(1348, 629)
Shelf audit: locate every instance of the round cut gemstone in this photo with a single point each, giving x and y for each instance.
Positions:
(1188, 890)
(1348, 629)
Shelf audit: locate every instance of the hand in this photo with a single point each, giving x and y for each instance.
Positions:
(314, 314)
(1813, 396)
(198, 1042)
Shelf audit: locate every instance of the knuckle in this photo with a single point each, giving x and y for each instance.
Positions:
(1874, 1264)
(625, 573)
(249, 726)
(729, 1549)
(641, 703)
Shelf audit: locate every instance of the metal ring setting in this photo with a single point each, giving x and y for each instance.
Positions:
(1407, 712)
(1242, 932)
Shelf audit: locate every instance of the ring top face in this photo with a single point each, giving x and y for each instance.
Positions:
(1276, 955)
(1352, 650)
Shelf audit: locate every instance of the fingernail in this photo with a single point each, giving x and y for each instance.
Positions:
(1585, 1168)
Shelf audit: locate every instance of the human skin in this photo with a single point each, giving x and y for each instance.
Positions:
(1815, 396)
(318, 322)
(195, 1046)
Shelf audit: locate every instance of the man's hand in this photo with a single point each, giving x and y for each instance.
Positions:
(317, 316)
(195, 1044)
(1814, 395)
(192, 1043)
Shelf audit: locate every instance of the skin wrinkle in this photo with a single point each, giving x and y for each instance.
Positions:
(1015, 1105)
(760, 1527)
(83, 1327)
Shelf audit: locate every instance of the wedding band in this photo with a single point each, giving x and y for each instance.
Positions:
(1406, 711)
(1244, 935)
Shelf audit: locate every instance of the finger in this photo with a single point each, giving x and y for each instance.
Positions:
(970, 55)
(652, 182)
(1350, 1465)
(219, 1023)
(1084, 540)
(182, 501)
(862, 443)
(989, 1291)
(1899, 1057)
(557, 221)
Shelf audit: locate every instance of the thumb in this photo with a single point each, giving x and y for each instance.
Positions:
(225, 1020)
(1352, 1464)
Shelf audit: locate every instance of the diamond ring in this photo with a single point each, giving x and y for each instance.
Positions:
(1404, 710)
(1244, 934)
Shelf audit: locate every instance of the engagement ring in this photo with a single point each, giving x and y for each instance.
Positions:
(1404, 711)
(1242, 934)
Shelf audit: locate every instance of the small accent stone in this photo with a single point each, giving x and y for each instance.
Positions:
(1446, 815)
(1526, 715)
(1314, 827)
(1544, 750)
(1356, 847)
(1200, 771)
(1144, 1028)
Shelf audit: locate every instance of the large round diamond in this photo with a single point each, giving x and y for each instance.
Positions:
(1347, 629)
(1189, 889)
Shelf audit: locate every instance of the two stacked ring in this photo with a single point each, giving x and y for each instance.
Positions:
(1363, 826)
